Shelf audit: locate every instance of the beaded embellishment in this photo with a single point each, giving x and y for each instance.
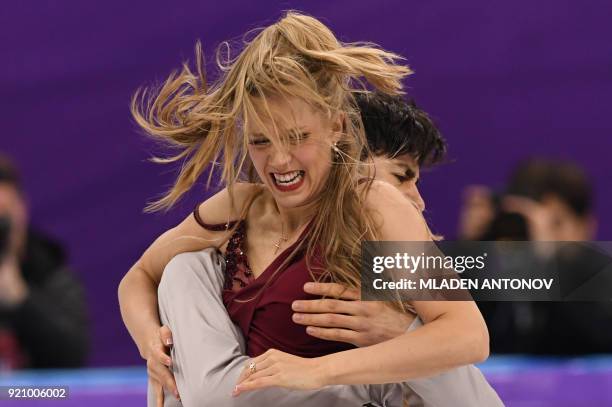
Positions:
(238, 273)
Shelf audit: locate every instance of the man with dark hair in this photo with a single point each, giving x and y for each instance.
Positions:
(401, 138)
(42, 309)
(396, 127)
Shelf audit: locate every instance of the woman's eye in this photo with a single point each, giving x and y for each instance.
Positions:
(259, 142)
(298, 137)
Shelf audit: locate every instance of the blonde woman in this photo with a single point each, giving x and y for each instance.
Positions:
(283, 112)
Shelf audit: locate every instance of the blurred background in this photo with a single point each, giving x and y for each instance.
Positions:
(504, 82)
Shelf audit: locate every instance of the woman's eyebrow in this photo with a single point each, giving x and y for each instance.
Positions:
(300, 129)
(295, 130)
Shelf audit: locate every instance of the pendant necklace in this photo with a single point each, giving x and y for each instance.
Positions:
(282, 238)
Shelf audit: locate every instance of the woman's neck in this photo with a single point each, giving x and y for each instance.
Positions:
(294, 219)
(291, 219)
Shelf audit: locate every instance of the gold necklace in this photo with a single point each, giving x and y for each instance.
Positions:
(282, 238)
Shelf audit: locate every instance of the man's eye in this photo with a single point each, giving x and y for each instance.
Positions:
(401, 178)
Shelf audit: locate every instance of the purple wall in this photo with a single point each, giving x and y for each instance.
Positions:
(503, 79)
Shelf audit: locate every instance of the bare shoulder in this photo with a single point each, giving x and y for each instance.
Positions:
(228, 204)
(381, 192)
(396, 216)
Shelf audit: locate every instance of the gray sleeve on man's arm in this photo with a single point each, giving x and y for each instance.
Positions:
(208, 351)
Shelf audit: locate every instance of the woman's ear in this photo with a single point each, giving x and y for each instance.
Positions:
(338, 126)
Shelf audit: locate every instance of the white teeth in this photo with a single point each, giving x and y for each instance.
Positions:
(289, 178)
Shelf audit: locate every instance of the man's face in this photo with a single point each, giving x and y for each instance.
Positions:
(402, 171)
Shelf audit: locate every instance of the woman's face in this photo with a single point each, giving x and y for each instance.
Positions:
(295, 169)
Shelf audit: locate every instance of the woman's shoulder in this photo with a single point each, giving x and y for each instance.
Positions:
(397, 216)
(228, 205)
(380, 194)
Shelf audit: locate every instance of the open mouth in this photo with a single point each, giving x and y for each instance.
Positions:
(288, 179)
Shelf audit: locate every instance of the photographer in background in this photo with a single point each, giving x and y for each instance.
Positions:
(42, 308)
(545, 200)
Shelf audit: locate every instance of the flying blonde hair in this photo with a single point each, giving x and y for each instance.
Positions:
(297, 56)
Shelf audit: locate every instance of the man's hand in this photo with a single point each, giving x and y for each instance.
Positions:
(348, 319)
(158, 364)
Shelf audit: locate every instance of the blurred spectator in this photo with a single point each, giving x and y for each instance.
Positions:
(42, 309)
(545, 200)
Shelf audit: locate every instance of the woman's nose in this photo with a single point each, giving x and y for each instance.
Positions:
(279, 157)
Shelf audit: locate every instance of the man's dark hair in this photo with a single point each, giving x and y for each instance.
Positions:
(537, 178)
(395, 127)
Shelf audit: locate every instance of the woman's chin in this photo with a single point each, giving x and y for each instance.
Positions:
(289, 202)
(293, 199)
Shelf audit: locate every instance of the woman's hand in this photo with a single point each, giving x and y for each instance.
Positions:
(276, 368)
(348, 319)
(158, 364)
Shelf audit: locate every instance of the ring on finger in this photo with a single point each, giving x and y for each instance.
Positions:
(252, 367)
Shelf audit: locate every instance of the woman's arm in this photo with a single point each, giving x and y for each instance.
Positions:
(138, 288)
(454, 333)
(452, 339)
